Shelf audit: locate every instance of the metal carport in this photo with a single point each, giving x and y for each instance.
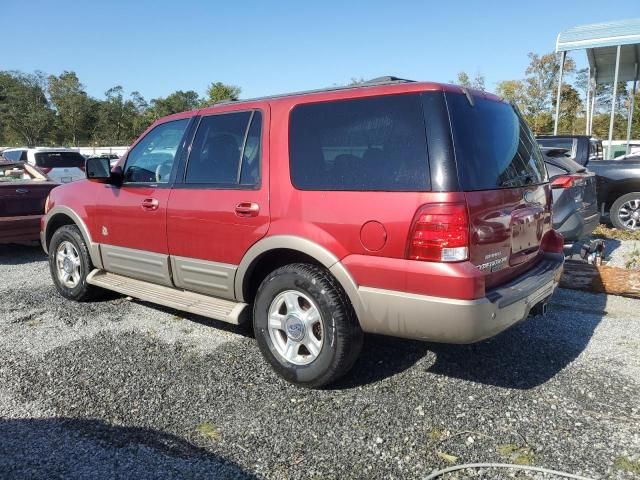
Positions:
(613, 51)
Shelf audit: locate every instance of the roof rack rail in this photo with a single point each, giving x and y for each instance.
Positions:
(386, 80)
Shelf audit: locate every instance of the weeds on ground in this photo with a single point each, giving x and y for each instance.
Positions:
(623, 463)
(210, 431)
(516, 454)
(602, 231)
(633, 258)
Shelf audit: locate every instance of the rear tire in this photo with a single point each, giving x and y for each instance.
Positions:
(70, 263)
(305, 325)
(625, 212)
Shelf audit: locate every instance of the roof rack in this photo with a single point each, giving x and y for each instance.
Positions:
(385, 80)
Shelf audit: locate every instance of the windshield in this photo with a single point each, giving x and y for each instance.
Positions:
(59, 159)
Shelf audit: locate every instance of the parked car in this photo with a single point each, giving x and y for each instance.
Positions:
(582, 148)
(575, 202)
(401, 208)
(62, 165)
(618, 181)
(23, 190)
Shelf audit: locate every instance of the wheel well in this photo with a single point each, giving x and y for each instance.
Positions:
(267, 263)
(57, 221)
(620, 191)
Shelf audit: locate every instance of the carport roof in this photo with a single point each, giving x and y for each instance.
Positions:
(600, 40)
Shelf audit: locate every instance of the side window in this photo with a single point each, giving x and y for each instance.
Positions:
(376, 143)
(226, 150)
(151, 160)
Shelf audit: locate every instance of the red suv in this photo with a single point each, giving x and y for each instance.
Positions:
(400, 208)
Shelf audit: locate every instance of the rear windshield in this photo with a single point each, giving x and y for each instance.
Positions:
(59, 159)
(375, 143)
(493, 145)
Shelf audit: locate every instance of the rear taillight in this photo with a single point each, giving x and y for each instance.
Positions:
(552, 242)
(439, 233)
(566, 181)
(45, 169)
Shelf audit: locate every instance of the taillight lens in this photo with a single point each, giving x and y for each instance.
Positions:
(440, 233)
(563, 181)
(552, 242)
(47, 204)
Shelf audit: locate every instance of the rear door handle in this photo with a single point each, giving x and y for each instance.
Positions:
(150, 204)
(22, 190)
(247, 209)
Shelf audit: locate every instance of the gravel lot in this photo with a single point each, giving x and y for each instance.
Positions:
(120, 388)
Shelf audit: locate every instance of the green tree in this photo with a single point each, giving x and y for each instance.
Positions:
(116, 115)
(27, 115)
(540, 83)
(178, 101)
(72, 105)
(464, 80)
(513, 91)
(218, 91)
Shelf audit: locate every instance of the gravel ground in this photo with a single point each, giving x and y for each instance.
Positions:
(120, 388)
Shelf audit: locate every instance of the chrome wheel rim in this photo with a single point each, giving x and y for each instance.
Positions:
(629, 214)
(68, 264)
(295, 327)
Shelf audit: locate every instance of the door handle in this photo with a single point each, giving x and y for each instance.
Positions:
(150, 204)
(247, 209)
(22, 190)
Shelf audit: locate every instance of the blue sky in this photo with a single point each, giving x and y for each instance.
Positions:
(157, 47)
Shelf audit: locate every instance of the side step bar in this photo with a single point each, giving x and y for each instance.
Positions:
(216, 308)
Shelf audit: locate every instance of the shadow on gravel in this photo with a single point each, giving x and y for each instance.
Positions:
(82, 448)
(17, 254)
(523, 357)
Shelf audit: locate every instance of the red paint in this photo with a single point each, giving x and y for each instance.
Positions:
(367, 231)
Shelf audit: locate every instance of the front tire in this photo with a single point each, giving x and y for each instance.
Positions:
(70, 263)
(305, 325)
(625, 212)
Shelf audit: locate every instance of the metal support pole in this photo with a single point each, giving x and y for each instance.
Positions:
(613, 101)
(588, 104)
(555, 125)
(593, 110)
(632, 102)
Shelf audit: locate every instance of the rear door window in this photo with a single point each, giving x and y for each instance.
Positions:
(494, 147)
(226, 150)
(374, 143)
(59, 160)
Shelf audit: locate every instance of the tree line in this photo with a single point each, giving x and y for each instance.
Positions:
(39, 109)
(36, 109)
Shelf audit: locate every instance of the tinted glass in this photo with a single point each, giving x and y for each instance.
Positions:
(151, 160)
(556, 143)
(59, 160)
(215, 154)
(250, 169)
(375, 143)
(493, 145)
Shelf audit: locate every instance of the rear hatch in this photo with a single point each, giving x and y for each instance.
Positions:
(579, 181)
(502, 172)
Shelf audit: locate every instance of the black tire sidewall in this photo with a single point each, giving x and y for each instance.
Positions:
(71, 234)
(615, 208)
(319, 291)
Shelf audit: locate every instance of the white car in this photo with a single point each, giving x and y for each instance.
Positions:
(62, 165)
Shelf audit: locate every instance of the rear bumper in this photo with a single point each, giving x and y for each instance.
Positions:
(439, 319)
(19, 229)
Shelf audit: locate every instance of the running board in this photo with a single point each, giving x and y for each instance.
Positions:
(211, 307)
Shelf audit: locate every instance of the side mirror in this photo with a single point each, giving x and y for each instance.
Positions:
(98, 169)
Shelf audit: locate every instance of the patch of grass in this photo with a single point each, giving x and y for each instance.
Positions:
(517, 454)
(210, 431)
(447, 457)
(436, 434)
(633, 258)
(623, 463)
(602, 231)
